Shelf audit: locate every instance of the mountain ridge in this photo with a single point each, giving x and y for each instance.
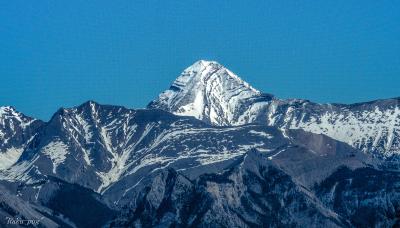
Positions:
(331, 119)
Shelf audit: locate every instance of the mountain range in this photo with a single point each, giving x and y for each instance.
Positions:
(210, 151)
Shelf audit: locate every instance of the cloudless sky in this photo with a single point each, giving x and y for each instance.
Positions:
(61, 53)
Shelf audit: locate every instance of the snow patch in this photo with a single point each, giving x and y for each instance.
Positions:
(9, 157)
(260, 133)
(57, 152)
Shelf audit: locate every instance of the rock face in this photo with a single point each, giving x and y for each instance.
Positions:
(210, 92)
(256, 193)
(252, 193)
(211, 151)
(365, 196)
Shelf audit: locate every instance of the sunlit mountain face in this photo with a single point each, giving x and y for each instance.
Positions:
(210, 151)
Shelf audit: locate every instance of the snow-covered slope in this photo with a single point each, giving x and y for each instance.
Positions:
(80, 145)
(99, 146)
(16, 131)
(210, 92)
(372, 127)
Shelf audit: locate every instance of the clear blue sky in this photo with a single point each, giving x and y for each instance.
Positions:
(62, 53)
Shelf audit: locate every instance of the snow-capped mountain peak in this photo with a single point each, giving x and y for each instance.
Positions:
(16, 131)
(203, 70)
(7, 111)
(208, 90)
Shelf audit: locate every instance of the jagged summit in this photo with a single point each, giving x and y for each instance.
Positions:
(16, 131)
(206, 89)
(89, 107)
(10, 112)
(7, 110)
(204, 71)
(89, 103)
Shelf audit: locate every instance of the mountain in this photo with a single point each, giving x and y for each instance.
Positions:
(119, 160)
(16, 131)
(252, 193)
(98, 146)
(212, 151)
(210, 92)
(366, 197)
